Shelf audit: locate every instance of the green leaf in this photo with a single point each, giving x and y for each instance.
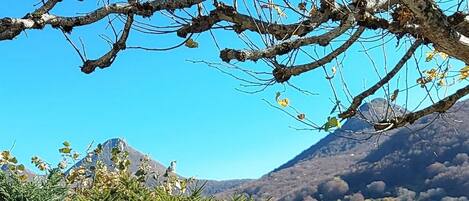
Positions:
(429, 56)
(140, 172)
(115, 151)
(20, 167)
(98, 149)
(65, 150)
(13, 160)
(332, 122)
(34, 159)
(67, 144)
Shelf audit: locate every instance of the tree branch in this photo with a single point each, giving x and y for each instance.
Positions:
(11, 27)
(244, 22)
(106, 60)
(358, 100)
(436, 27)
(283, 74)
(46, 7)
(283, 48)
(439, 107)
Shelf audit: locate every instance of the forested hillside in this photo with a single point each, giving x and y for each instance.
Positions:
(426, 161)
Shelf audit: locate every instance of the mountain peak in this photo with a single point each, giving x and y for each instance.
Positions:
(379, 109)
(114, 142)
(134, 156)
(377, 102)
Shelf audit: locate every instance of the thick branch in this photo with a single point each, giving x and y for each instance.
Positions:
(283, 74)
(297, 70)
(285, 47)
(358, 100)
(439, 107)
(438, 30)
(244, 22)
(460, 22)
(106, 60)
(46, 7)
(11, 27)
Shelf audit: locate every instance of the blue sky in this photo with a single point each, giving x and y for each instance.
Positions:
(158, 102)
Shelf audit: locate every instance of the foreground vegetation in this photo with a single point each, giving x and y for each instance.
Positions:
(94, 180)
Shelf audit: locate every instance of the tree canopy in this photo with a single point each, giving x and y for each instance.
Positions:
(278, 33)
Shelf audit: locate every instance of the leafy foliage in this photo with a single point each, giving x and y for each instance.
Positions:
(95, 181)
(13, 187)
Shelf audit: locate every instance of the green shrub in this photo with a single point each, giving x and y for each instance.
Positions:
(14, 188)
(94, 181)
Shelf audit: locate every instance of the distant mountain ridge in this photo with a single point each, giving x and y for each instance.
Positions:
(366, 165)
(421, 162)
(135, 156)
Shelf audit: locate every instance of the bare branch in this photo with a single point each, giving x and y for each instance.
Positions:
(283, 73)
(358, 100)
(283, 48)
(244, 22)
(11, 27)
(106, 60)
(439, 107)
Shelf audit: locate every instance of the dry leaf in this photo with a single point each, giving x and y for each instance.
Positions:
(301, 116)
(302, 6)
(191, 43)
(394, 95)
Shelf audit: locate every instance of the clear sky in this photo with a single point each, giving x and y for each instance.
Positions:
(158, 102)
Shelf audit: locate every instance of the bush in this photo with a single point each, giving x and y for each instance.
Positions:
(454, 199)
(460, 158)
(435, 169)
(376, 188)
(94, 181)
(432, 194)
(405, 194)
(333, 189)
(355, 197)
(14, 187)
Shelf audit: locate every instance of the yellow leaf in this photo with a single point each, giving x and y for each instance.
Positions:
(431, 74)
(430, 56)
(441, 82)
(464, 73)
(283, 102)
(443, 55)
(191, 43)
(334, 122)
(23, 177)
